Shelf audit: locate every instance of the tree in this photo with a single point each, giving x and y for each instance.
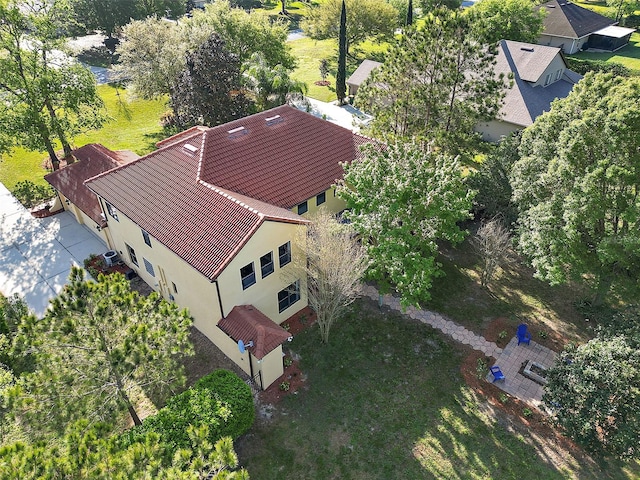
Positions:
(324, 69)
(375, 20)
(45, 96)
(493, 243)
(593, 392)
(270, 86)
(341, 75)
(495, 20)
(333, 264)
(209, 91)
(576, 186)
(98, 343)
(402, 200)
(432, 5)
(623, 8)
(153, 52)
(436, 83)
(86, 451)
(410, 13)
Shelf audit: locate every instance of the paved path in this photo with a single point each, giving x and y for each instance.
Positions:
(36, 255)
(510, 360)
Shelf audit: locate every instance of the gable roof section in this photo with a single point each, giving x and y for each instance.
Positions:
(92, 159)
(523, 102)
(247, 323)
(362, 72)
(204, 225)
(282, 156)
(566, 19)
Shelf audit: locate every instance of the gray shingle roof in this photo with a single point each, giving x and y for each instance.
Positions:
(566, 19)
(362, 72)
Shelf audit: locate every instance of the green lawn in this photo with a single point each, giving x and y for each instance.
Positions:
(628, 56)
(132, 125)
(385, 400)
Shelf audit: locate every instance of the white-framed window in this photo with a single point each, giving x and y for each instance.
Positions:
(288, 296)
(547, 79)
(266, 264)
(132, 255)
(558, 74)
(111, 210)
(284, 254)
(146, 237)
(248, 276)
(148, 266)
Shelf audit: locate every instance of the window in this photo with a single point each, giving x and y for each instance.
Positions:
(146, 237)
(321, 198)
(284, 254)
(266, 264)
(175, 289)
(547, 79)
(248, 276)
(558, 74)
(302, 208)
(288, 296)
(149, 267)
(132, 255)
(111, 210)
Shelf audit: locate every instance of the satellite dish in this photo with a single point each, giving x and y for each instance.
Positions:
(242, 347)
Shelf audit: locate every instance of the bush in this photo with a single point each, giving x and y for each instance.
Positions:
(29, 194)
(220, 400)
(582, 66)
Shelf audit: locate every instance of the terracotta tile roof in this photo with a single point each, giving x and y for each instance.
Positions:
(566, 19)
(92, 160)
(282, 156)
(178, 137)
(247, 323)
(203, 224)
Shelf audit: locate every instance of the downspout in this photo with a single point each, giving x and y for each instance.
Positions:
(219, 297)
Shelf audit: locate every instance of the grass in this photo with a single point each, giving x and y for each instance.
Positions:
(386, 399)
(132, 125)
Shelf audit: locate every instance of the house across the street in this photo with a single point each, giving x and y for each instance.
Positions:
(536, 75)
(208, 220)
(572, 28)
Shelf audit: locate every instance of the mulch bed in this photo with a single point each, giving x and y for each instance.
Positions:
(498, 327)
(322, 83)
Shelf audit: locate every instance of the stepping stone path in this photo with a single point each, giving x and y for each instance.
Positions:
(436, 320)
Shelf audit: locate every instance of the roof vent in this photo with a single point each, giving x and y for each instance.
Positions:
(526, 49)
(190, 148)
(237, 132)
(551, 6)
(273, 120)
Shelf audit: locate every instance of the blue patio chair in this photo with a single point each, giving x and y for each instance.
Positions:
(523, 335)
(497, 373)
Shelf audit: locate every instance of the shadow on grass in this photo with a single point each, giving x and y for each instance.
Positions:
(385, 399)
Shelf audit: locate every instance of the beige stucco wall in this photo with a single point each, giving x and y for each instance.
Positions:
(332, 203)
(556, 64)
(568, 45)
(495, 130)
(264, 293)
(82, 218)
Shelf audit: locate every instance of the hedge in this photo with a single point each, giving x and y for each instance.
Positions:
(583, 65)
(221, 400)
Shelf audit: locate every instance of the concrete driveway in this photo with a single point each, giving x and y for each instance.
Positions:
(36, 255)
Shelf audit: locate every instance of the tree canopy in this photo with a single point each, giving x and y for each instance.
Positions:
(576, 186)
(437, 82)
(270, 86)
(209, 91)
(98, 343)
(46, 96)
(593, 391)
(366, 19)
(495, 20)
(403, 199)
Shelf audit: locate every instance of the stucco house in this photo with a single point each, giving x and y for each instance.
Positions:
(361, 73)
(536, 76)
(208, 221)
(572, 27)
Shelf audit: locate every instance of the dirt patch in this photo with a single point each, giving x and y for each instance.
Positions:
(300, 321)
(290, 383)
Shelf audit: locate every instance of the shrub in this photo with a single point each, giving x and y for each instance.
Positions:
(29, 194)
(582, 66)
(220, 400)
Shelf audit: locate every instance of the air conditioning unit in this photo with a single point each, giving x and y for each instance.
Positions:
(111, 258)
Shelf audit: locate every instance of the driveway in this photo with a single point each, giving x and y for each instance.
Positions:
(36, 255)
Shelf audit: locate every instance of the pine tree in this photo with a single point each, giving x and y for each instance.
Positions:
(341, 75)
(410, 13)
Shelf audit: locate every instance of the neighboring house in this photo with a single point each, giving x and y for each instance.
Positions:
(208, 220)
(74, 196)
(536, 76)
(571, 27)
(360, 75)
